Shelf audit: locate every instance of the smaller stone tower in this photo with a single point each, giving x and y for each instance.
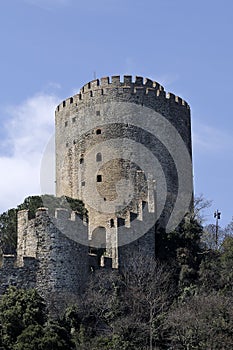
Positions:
(62, 262)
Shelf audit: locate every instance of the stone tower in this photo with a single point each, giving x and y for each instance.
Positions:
(124, 148)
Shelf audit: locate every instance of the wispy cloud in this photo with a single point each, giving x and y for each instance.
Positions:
(167, 79)
(28, 129)
(209, 139)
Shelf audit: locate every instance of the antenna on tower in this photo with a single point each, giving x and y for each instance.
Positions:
(94, 75)
(217, 215)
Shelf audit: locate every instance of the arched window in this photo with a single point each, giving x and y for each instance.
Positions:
(99, 157)
(98, 239)
(112, 223)
(98, 131)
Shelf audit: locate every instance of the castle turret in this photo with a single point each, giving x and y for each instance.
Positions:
(124, 148)
(54, 250)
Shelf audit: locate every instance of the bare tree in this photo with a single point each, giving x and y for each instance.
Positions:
(129, 304)
(229, 228)
(202, 322)
(200, 204)
(102, 302)
(150, 289)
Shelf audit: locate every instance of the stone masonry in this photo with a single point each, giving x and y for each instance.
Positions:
(49, 257)
(111, 153)
(98, 133)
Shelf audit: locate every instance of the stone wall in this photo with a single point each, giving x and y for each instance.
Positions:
(63, 260)
(20, 277)
(104, 134)
(52, 256)
(105, 138)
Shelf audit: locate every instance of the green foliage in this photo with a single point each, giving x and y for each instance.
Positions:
(18, 310)
(226, 262)
(181, 301)
(50, 337)
(30, 338)
(227, 250)
(110, 343)
(25, 324)
(72, 317)
(186, 236)
(210, 272)
(51, 202)
(55, 337)
(229, 228)
(215, 271)
(31, 204)
(145, 307)
(8, 231)
(182, 246)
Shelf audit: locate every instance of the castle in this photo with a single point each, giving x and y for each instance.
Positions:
(124, 149)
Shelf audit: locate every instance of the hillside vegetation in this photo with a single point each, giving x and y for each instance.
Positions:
(181, 300)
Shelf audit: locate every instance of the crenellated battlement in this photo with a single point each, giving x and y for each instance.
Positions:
(115, 81)
(52, 253)
(105, 86)
(63, 224)
(60, 214)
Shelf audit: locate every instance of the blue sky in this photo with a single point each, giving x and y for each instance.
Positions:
(50, 48)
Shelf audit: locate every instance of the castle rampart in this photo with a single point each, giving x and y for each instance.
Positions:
(107, 85)
(92, 162)
(49, 255)
(123, 147)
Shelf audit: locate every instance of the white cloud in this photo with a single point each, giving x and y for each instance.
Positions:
(28, 128)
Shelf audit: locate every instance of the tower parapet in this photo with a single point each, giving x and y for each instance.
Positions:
(105, 86)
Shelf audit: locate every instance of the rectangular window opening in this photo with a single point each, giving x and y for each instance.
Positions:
(99, 178)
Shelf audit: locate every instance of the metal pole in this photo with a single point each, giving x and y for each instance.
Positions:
(217, 215)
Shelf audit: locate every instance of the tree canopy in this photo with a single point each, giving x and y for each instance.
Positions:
(180, 300)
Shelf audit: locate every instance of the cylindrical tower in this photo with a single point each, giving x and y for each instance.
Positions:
(124, 148)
